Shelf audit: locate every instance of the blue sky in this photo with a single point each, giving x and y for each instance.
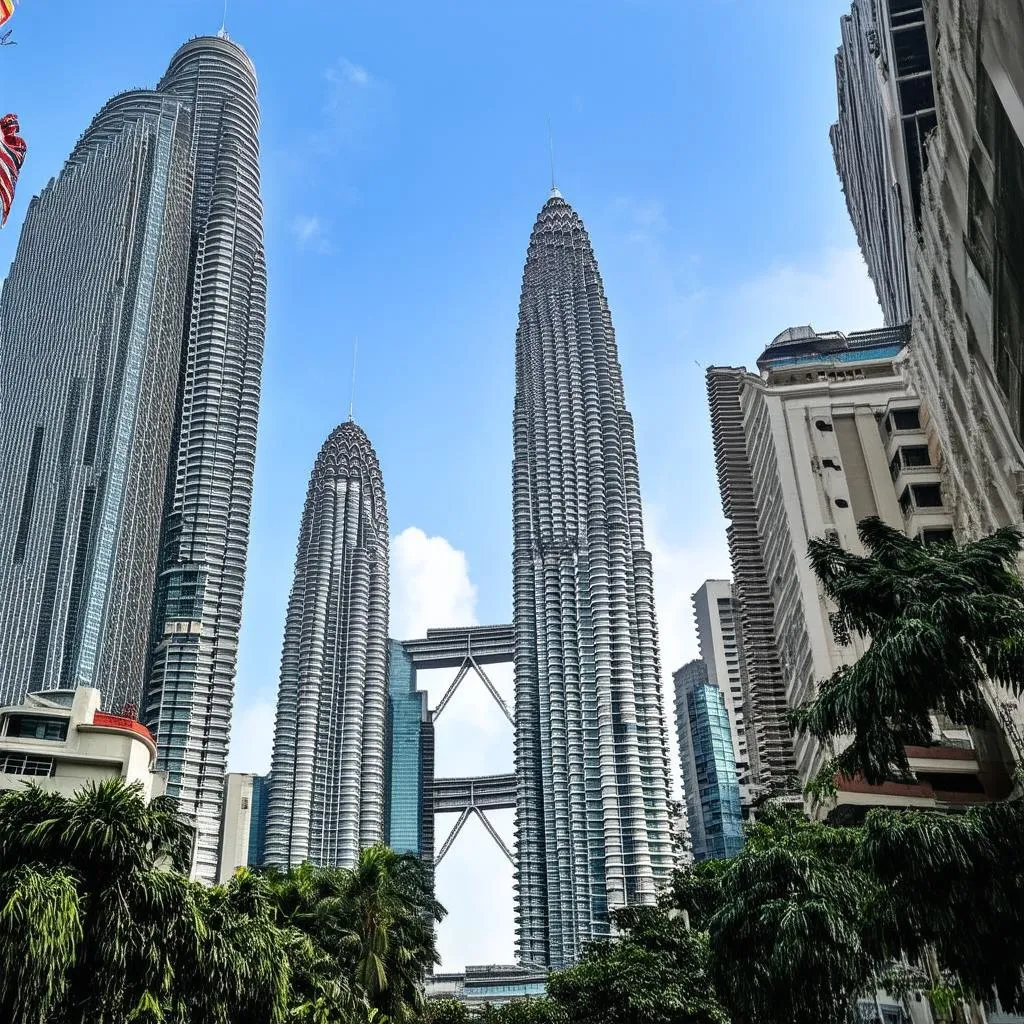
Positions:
(405, 157)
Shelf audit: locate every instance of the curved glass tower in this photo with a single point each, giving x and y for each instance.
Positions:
(131, 349)
(327, 775)
(90, 350)
(198, 610)
(591, 746)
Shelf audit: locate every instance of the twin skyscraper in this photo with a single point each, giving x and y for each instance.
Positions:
(131, 349)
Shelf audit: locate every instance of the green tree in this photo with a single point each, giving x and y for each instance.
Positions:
(656, 973)
(363, 938)
(791, 940)
(941, 622)
(99, 925)
(445, 1011)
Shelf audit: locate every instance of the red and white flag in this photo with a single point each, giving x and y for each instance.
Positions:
(12, 156)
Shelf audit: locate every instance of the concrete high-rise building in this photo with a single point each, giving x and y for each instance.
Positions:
(243, 823)
(720, 636)
(236, 824)
(947, 95)
(327, 777)
(591, 746)
(960, 179)
(198, 604)
(130, 358)
(836, 433)
(704, 729)
(90, 355)
(886, 113)
(769, 745)
(409, 817)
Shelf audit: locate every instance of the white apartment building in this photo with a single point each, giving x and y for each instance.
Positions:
(720, 637)
(835, 433)
(59, 740)
(236, 824)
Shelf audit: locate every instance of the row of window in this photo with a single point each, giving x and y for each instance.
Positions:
(34, 727)
(26, 764)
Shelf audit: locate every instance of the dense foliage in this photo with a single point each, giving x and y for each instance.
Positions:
(100, 925)
(942, 624)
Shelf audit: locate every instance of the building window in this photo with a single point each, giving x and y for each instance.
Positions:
(927, 495)
(26, 764)
(915, 456)
(904, 419)
(36, 727)
(937, 536)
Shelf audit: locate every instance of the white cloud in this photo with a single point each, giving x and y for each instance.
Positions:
(355, 103)
(354, 74)
(310, 233)
(252, 737)
(430, 585)
(832, 293)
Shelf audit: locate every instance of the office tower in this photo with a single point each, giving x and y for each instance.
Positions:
(327, 775)
(236, 824)
(201, 571)
(258, 826)
(835, 433)
(707, 756)
(90, 349)
(409, 817)
(720, 636)
(868, 145)
(769, 746)
(591, 753)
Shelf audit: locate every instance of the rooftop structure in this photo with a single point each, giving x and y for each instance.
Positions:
(60, 740)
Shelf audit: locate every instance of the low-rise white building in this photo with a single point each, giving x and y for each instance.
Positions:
(60, 740)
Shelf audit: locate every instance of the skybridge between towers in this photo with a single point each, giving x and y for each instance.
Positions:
(466, 651)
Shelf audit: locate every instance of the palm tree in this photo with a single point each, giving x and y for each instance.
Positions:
(369, 932)
(944, 623)
(100, 925)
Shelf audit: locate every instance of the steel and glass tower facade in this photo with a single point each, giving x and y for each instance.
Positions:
(591, 750)
(705, 733)
(328, 770)
(90, 350)
(201, 571)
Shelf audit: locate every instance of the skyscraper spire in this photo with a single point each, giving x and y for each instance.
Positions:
(551, 152)
(591, 748)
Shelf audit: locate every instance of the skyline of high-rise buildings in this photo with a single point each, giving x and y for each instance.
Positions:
(591, 746)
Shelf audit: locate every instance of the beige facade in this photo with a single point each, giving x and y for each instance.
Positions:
(836, 433)
(60, 740)
(235, 825)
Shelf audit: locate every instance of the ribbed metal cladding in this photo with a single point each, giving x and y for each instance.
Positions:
(209, 495)
(328, 771)
(591, 747)
(90, 349)
(769, 744)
